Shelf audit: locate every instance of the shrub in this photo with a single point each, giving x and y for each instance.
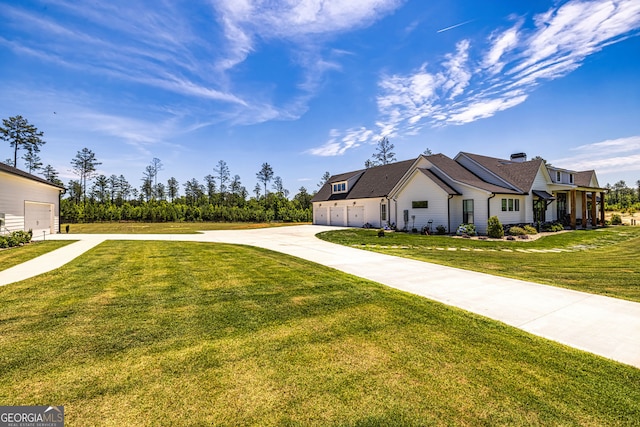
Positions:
(4, 242)
(517, 231)
(529, 229)
(468, 229)
(441, 230)
(494, 228)
(381, 233)
(616, 219)
(552, 226)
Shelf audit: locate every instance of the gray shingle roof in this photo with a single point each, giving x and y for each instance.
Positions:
(377, 181)
(15, 171)
(457, 172)
(519, 174)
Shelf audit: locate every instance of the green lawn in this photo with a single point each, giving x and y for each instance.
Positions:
(19, 254)
(170, 333)
(165, 227)
(603, 261)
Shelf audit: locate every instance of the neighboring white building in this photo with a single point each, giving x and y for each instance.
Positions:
(28, 202)
(438, 191)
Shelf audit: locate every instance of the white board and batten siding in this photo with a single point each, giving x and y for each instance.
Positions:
(419, 188)
(28, 205)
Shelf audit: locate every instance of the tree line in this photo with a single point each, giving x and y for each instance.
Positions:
(94, 197)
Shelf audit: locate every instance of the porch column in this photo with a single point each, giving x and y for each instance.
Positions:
(602, 193)
(584, 209)
(594, 204)
(573, 209)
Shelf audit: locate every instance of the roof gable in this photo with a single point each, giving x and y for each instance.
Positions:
(17, 172)
(449, 169)
(520, 175)
(377, 181)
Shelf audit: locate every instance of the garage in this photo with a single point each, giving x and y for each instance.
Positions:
(355, 216)
(38, 217)
(337, 216)
(320, 216)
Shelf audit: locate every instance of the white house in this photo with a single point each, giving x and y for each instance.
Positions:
(28, 202)
(436, 190)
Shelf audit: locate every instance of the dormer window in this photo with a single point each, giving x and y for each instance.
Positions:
(558, 176)
(339, 187)
(570, 178)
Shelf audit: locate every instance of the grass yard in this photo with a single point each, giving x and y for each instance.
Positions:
(166, 227)
(19, 254)
(603, 261)
(170, 333)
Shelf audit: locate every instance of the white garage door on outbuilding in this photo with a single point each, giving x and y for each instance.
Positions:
(355, 216)
(320, 216)
(337, 216)
(38, 217)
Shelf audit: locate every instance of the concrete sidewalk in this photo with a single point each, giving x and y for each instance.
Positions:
(605, 326)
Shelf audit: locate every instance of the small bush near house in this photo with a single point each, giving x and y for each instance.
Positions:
(494, 228)
(552, 226)
(616, 219)
(517, 231)
(468, 229)
(441, 230)
(15, 239)
(529, 229)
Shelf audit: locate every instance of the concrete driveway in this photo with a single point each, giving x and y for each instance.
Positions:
(604, 326)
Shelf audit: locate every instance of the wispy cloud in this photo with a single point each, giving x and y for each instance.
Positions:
(193, 50)
(483, 77)
(342, 141)
(607, 157)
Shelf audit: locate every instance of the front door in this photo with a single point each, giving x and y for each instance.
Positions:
(539, 210)
(561, 203)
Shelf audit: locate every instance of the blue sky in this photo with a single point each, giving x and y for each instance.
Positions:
(310, 86)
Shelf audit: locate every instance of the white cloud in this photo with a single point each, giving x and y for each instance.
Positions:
(340, 142)
(610, 156)
(470, 84)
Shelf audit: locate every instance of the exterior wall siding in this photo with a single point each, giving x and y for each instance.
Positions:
(509, 217)
(421, 188)
(15, 191)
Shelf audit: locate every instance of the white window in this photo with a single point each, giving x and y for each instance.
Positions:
(340, 187)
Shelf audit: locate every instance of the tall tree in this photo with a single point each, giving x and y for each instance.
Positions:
(100, 189)
(324, 179)
(156, 166)
(51, 175)
(303, 198)
(74, 191)
(21, 134)
(84, 165)
(265, 175)
(257, 190)
(223, 175)
(32, 160)
(173, 188)
(278, 186)
(210, 185)
(125, 189)
(146, 189)
(384, 152)
(427, 152)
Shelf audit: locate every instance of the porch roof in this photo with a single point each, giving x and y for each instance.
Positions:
(543, 194)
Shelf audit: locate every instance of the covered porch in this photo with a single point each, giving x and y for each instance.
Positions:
(579, 207)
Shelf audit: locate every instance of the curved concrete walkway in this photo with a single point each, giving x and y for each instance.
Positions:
(604, 326)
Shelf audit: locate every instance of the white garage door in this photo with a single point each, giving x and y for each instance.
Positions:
(320, 216)
(355, 216)
(337, 216)
(38, 217)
